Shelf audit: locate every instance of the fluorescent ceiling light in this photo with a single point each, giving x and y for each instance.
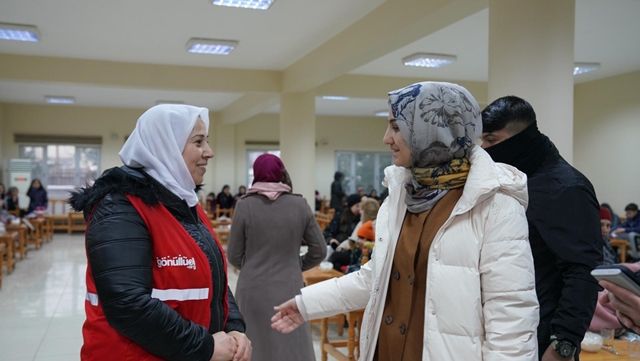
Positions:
(169, 102)
(17, 32)
(334, 97)
(211, 46)
(55, 99)
(426, 60)
(382, 113)
(581, 68)
(246, 4)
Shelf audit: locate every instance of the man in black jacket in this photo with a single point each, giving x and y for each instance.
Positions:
(563, 217)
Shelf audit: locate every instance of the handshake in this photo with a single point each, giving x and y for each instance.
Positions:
(232, 346)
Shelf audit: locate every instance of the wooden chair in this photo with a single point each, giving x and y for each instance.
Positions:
(22, 238)
(34, 231)
(8, 239)
(59, 215)
(227, 212)
(323, 220)
(316, 275)
(621, 245)
(332, 347)
(76, 222)
(222, 227)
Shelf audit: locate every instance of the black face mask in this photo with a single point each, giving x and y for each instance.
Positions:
(525, 150)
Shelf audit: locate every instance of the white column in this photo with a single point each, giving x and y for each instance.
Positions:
(297, 141)
(531, 56)
(222, 169)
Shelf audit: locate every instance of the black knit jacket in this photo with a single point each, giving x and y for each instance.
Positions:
(119, 251)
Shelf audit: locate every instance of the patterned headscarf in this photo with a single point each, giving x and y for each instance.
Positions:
(439, 122)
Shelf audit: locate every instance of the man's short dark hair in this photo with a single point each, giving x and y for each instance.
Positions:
(509, 110)
(631, 207)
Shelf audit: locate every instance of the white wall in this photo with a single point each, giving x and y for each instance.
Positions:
(607, 137)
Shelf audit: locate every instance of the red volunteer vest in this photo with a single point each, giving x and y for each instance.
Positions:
(181, 279)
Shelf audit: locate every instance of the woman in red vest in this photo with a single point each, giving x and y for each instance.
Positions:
(156, 275)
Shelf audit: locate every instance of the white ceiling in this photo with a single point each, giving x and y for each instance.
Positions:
(156, 31)
(606, 32)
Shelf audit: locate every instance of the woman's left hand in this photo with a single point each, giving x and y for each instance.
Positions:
(243, 353)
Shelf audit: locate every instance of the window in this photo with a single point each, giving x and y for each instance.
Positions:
(252, 155)
(63, 166)
(362, 169)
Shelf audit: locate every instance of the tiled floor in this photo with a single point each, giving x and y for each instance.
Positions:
(42, 303)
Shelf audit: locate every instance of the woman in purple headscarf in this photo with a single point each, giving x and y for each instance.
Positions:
(269, 226)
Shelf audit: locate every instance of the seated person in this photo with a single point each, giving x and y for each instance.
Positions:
(38, 200)
(343, 223)
(12, 202)
(630, 228)
(348, 255)
(615, 220)
(610, 256)
(225, 199)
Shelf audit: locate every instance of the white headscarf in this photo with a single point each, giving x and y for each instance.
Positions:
(157, 142)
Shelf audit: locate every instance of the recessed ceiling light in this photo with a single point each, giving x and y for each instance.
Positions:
(582, 68)
(247, 4)
(169, 102)
(334, 97)
(381, 113)
(18, 32)
(211, 46)
(426, 60)
(55, 99)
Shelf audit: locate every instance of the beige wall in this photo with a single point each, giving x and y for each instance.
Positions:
(110, 124)
(607, 137)
(332, 134)
(229, 166)
(606, 131)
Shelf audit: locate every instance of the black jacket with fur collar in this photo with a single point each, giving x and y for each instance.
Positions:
(119, 253)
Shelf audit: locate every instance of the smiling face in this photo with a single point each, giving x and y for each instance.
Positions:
(197, 152)
(400, 151)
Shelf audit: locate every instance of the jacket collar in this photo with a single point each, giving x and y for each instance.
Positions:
(485, 179)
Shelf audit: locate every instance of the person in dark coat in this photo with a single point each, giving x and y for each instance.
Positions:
(337, 192)
(563, 216)
(37, 196)
(269, 226)
(343, 223)
(156, 276)
(225, 199)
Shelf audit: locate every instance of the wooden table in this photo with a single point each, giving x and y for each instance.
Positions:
(22, 237)
(602, 355)
(9, 238)
(316, 275)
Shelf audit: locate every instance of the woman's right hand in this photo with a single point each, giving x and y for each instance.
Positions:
(224, 347)
(287, 317)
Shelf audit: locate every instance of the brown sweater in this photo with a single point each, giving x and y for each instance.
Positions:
(402, 328)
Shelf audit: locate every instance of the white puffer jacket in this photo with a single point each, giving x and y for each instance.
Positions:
(481, 302)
